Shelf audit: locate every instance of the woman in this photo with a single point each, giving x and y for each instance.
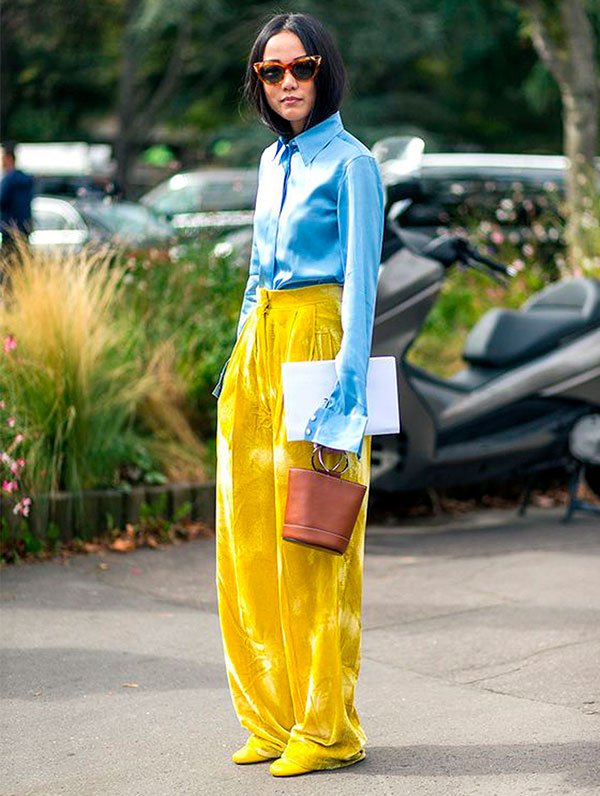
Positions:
(290, 614)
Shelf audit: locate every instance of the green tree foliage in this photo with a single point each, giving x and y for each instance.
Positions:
(456, 70)
(57, 66)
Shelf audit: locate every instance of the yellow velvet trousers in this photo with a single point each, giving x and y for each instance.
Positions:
(290, 615)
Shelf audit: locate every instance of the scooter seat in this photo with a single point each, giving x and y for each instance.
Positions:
(503, 338)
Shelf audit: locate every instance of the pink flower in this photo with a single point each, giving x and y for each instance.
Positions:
(19, 438)
(11, 422)
(9, 343)
(2, 405)
(10, 486)
(22, 507)
(497, 237)
(16, 466)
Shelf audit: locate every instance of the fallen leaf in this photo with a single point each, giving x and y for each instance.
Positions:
(123, 545)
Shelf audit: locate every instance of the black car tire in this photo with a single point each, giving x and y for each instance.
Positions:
(592, 477)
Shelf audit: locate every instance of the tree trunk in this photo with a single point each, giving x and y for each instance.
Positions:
(580, 130)
(125, 143)
(138, 109)
(563, 37)
(581, 100)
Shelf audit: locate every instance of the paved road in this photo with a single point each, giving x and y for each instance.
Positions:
(480, 672)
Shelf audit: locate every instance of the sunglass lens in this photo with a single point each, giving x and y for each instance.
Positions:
(271, 74)
(304, 70)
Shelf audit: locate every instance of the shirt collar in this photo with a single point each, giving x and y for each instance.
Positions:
(313, 140)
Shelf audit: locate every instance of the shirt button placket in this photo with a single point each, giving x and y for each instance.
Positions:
(286, 159)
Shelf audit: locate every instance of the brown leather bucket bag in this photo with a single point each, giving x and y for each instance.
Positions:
(321, 507)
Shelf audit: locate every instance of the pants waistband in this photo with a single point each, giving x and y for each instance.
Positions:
(309, 294)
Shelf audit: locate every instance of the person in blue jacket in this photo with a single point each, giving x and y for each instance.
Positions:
(16, 195)
(290, 614)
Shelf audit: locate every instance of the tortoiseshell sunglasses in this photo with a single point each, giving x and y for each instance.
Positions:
(303, 68)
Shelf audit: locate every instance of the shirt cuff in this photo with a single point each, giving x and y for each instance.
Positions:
(334, 429)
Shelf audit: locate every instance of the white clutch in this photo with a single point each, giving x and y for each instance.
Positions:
(307, 384)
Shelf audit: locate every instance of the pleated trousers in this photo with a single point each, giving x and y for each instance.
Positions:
(290, 615)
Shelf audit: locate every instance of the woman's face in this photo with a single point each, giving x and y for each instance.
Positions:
(291, 99)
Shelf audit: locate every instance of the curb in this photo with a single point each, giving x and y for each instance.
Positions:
(65, 515)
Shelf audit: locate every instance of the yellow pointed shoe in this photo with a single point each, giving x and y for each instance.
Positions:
(282, 767)
(287, 768)
(249, 754)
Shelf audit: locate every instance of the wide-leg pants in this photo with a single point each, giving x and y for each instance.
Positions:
(290, 615)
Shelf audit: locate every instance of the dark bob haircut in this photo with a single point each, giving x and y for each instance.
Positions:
(330, 82)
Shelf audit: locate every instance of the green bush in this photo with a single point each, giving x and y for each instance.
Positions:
(193, 302)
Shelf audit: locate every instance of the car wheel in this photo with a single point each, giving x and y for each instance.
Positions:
(591, 473)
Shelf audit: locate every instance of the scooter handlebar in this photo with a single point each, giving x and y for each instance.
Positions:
(498, 268)
(448, 249)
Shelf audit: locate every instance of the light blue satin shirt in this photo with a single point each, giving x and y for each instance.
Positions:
(319, 219)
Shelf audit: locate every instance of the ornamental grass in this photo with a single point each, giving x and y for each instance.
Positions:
(94, 407)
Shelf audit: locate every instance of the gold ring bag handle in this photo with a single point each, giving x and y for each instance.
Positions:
(333, 470)
(322, 507)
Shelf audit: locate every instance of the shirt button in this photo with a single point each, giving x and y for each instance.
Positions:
(308, 432)
(313, 417)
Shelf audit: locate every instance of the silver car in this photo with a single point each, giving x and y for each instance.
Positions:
(207, 198)
(73, 223)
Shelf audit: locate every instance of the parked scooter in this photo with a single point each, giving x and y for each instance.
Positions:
(529, 375)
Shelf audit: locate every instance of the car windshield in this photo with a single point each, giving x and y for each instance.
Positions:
(125, 219)
(235, 195)
(195, 194)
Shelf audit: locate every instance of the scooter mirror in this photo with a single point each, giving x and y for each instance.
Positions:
(398, 156)
(395, 212)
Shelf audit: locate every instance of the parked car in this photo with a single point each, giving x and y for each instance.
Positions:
(207, 198)
(453, 188)
(438, 190)
(75, 186)
(59, 222)
(128, 223)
